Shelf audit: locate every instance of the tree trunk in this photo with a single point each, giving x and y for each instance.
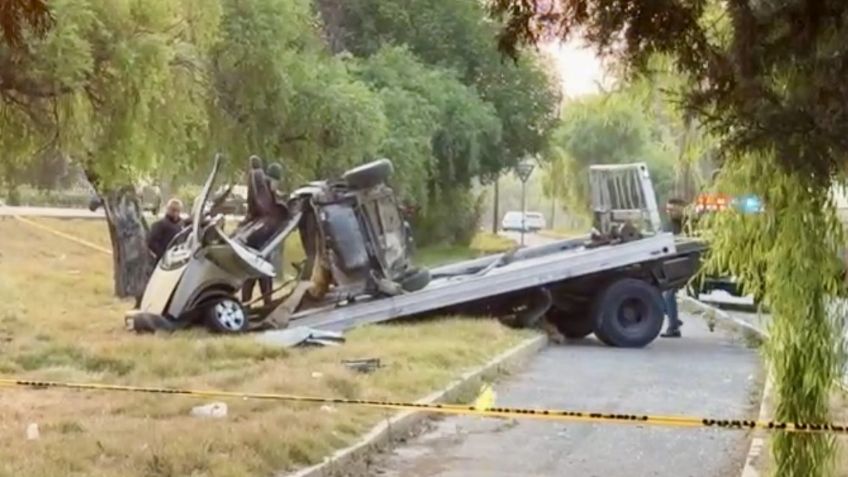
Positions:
(128, 234)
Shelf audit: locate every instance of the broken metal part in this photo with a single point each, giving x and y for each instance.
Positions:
(366, 365)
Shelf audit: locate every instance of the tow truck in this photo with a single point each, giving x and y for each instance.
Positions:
(608, 282)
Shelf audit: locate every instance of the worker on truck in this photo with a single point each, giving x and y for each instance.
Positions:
(674, 208)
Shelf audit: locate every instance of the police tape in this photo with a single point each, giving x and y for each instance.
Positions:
(58, 233)
(460, 409)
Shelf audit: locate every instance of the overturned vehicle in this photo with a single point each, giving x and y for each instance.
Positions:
(354, 236)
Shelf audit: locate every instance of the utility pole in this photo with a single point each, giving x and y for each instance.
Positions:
(495, 204)
(523, 170)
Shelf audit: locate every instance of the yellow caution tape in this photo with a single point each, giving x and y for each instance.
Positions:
(53, 231)
(459, 409)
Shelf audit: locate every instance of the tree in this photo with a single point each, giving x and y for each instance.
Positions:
(604, 129)
(18, 16)
(131, 90)
(439, 129)
(456, 35)
(279, 94)
(767, 79)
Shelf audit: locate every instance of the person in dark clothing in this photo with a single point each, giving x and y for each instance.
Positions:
(164, 230)
(264, 208)
(674, 209)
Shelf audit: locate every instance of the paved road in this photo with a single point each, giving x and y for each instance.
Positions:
(704, 373)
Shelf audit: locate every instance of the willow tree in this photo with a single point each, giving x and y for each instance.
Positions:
(118, 86)
(767, 78)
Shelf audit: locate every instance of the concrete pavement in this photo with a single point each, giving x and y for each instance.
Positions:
(703, 374)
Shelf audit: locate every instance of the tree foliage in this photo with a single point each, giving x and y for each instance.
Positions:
(767, 78)
(605, 129)
(18, 17)
(456, 35)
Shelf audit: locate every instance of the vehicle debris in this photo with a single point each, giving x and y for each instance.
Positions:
(300, 335)
(366, 365)
(215, 410)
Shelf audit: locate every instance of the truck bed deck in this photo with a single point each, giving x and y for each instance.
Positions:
(491, 276)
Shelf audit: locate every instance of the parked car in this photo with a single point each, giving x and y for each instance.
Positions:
(532, 221)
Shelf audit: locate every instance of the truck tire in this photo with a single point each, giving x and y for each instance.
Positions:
(415, 279)
(628, 313)
(573, 323)
(369, 175)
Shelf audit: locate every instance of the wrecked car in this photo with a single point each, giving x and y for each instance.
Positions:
(354, 236)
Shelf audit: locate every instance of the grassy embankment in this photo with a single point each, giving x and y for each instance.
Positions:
(59, 321)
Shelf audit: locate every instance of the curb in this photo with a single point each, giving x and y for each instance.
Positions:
(354, 460)
(758, 441)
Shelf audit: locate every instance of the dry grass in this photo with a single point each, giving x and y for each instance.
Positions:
(483, 244)
(59, 321)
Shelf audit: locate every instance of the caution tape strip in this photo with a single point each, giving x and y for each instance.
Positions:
(70, 237)
(458, 409)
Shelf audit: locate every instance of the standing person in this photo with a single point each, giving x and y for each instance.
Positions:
(674, 209)
(165, 229)
(161, 233)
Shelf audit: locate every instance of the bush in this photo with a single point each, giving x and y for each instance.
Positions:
(75, 198)
(453, 219)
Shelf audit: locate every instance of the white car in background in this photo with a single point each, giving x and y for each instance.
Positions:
(533, 222)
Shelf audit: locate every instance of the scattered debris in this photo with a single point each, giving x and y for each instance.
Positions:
(366, 365)
(290, 337)
(215, 409)
(32, 433)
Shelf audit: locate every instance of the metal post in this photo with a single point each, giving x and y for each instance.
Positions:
(495, 203)
(523, 212)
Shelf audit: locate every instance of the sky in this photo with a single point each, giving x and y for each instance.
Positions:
(578, 67)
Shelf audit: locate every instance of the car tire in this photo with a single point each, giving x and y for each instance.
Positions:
(226, 315)
(628, 313)
(573, 323)
(369, 175)
(415, 279)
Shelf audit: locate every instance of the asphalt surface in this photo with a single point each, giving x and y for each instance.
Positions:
(702, 374)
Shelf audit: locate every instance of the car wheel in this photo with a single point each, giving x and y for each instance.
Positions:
(369, 175)
(415, 279)
(573, 323)
(226, 316)
(628, 313)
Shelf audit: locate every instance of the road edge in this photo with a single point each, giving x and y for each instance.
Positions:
(758, 440)
(753, 460)
(342, 462)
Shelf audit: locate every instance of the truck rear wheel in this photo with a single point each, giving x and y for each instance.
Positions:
(574, 323)
(628, 313)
